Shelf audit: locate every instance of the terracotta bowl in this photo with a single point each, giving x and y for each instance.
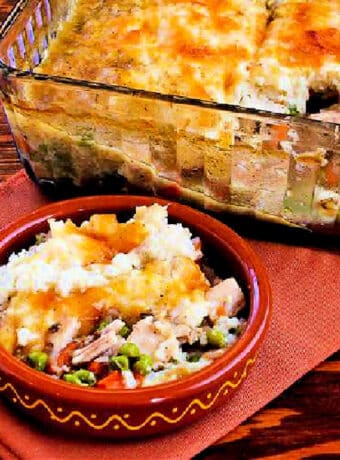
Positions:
(145, 411)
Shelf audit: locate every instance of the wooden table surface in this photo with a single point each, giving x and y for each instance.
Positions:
(302, 423)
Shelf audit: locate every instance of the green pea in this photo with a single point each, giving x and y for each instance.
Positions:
(103, 324)
(81, 377)
(293, 110)
(144, 365)
(86, 376)
(216, 338)
(71, 378)
(125, 331)
(37, 360)
(130, 350)
(193, 357)
(40, 238)
(120, 362)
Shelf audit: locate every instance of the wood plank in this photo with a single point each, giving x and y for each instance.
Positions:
(302, 422)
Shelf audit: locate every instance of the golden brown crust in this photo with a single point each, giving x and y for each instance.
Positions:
(198, 49)
(305, 33)
(232, 51)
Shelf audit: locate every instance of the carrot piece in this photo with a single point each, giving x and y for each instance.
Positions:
(139, 379)
(114, 381)
(220, 311)
(280, 132)
(197, 244)
(331, 177)
(96, 367)
(65, 356)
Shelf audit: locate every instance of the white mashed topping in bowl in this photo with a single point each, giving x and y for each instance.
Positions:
(142, 277)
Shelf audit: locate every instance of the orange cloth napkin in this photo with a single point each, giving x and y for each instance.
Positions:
(305, 329)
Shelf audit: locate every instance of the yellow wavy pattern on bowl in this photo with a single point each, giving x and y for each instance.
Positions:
(223, 390)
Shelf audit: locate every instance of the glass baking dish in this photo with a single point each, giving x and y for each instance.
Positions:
(75, 133)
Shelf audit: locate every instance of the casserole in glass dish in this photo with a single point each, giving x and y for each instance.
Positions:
(216, 114)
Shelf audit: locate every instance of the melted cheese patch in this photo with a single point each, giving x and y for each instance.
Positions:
(301, 51)
(198, 49)
(304, 34)
(260, 54)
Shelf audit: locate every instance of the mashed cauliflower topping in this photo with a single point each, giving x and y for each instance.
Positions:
(117, 305)
(263, 54)
(60, 263)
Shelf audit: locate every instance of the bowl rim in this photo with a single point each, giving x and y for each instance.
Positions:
(259, 295)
